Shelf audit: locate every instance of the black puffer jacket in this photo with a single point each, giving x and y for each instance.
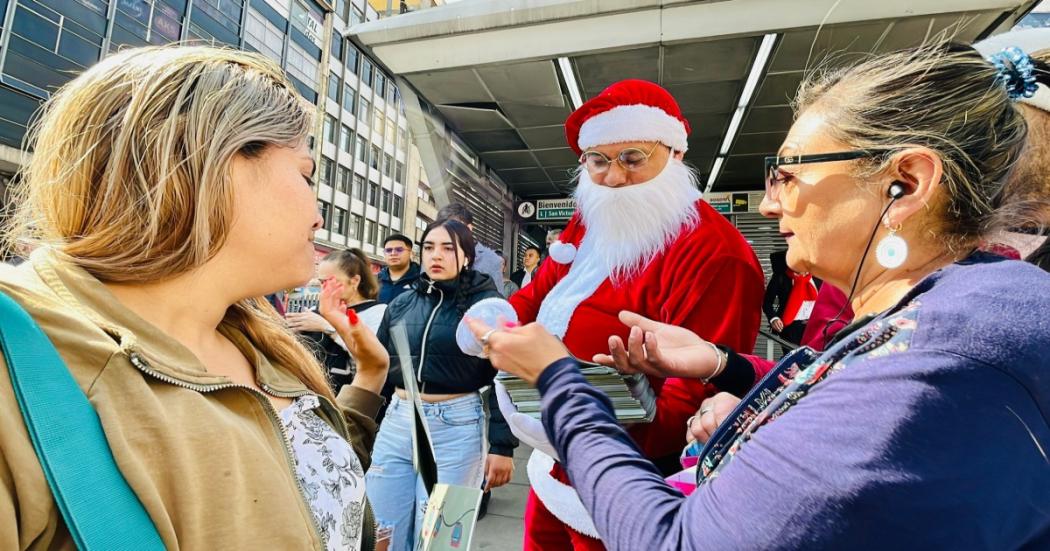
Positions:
(430, 312)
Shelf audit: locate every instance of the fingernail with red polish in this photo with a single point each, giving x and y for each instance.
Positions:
(510, 324)
(351, 316)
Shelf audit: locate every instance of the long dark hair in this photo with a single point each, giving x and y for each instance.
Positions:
(353, 262)
(463, 239)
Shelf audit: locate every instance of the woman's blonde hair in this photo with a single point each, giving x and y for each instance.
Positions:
(943, 96)
(130, 175)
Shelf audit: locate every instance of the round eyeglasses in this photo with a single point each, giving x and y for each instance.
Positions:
(630, 159)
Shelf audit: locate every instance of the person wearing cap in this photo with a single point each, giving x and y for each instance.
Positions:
(683, 264)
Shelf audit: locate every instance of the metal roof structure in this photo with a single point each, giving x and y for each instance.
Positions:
(506, 74)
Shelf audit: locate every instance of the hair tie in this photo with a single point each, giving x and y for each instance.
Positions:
(1015, 72)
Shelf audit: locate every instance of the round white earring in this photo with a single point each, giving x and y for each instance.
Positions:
(892, 250)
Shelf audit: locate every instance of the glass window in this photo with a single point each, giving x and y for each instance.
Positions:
(356, 16)
(389, 130)
(373, 194)
(402, 138)
(366, 72)
(398, 204)
(373, 160)
(346, 139)
(391, 94)
(388, 163)
(360, 186)
(301, 65)
(323, 207)
(385, 205)
(370, 232)
(339, 221)
(263, 35)
(329, 129)
(327, 169)
(380, 86)
(378, 122)
(337, 41)
(349, 98)
(364, 112)
(399, 172)
(355, 226)
(351, 57)
(344, 180)
(333, 87)
(362, 149)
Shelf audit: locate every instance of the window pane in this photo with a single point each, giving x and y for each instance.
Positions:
(349, 98)
(346, 140)
(385, 206)
(373, 194)
(327, 167)
(364, 112)
(333, 87)
(360, 185)
(373, 160)
(362, 149)
(366, 72)
(351, 57)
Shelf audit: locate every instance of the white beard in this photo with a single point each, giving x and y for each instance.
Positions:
(629, 226)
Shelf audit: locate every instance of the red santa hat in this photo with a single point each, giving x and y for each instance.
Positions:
(628, 111)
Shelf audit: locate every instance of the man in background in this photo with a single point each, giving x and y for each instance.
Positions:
(400, 272)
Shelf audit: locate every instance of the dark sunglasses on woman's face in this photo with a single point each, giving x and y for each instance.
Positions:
(775, 180)
(394, 250)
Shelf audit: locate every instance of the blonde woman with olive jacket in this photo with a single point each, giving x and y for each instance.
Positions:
(168, 188)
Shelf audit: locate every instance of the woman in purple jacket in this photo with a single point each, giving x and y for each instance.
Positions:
(923, 425)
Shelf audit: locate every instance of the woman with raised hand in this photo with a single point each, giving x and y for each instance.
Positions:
(472, 442)
(924, 424)
(358, 288)
(170, 189)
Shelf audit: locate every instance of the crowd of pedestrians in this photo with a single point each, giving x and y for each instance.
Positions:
(912, 195)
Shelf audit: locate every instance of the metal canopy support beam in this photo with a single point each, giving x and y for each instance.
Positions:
(431, 142)
(456, 36)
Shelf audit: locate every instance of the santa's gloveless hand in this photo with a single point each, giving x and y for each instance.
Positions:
(659, 349)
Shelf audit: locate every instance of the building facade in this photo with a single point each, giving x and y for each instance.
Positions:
(371, 182)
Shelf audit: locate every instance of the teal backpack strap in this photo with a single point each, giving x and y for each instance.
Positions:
(100, 510)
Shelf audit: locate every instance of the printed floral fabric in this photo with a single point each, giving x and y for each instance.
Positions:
(795, 376)
(328, 472)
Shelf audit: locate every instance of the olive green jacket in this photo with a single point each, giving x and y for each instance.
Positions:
(205, 455)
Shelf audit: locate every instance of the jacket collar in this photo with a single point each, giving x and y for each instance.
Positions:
(87, 295)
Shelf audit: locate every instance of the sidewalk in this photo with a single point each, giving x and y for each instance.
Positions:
(502, 528)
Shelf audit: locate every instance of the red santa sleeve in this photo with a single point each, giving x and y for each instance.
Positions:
(526, 302)
(721, 302)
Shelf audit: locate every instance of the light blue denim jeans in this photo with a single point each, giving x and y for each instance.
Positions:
(458, 432)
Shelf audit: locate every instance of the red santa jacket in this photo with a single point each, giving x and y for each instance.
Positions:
(707, 280)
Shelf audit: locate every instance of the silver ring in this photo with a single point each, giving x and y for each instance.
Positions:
(485, 337)
(705, 411)
(689, 422)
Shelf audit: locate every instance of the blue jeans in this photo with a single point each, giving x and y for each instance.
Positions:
(458, 432)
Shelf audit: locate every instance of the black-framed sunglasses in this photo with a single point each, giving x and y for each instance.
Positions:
(774, 181)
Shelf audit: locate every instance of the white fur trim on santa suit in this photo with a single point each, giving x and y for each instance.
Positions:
(586, 274)
(562, 253)
(633, 123)
(560, 499)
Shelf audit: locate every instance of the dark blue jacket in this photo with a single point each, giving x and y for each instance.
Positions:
(430, 312)
(389, 289)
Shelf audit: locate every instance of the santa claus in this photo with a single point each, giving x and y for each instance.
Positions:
(641, 240)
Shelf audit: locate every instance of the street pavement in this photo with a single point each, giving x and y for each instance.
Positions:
(502, 528)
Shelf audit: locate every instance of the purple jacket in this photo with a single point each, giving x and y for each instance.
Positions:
(931, 432)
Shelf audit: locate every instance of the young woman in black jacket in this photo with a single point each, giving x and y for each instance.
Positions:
(469, 445)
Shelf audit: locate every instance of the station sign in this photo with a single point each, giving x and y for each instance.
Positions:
(734, 203)
(545, 210)
(555, 210)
